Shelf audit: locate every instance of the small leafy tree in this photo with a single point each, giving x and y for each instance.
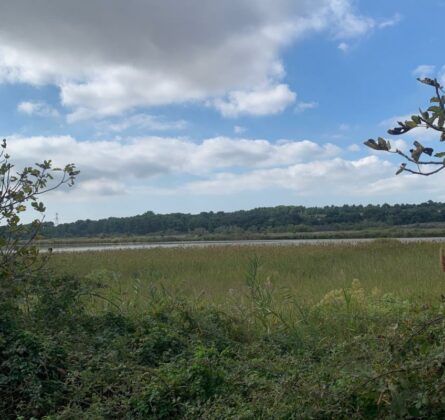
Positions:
(433, 118)
(18, 190)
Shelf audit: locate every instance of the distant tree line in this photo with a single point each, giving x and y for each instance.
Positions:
(265, 219)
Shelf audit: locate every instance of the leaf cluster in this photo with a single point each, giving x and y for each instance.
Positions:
(433, 118)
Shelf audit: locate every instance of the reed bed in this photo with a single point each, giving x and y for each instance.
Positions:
(410, 271)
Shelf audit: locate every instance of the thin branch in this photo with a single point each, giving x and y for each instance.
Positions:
(434, 127)
(442, 105)
(424, 173)
(432, 162)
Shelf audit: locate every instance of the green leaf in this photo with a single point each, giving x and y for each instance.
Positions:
(411, 124)
(435, 109)
(371, 143)
(440, 155)
(383, 144)
(430, 82)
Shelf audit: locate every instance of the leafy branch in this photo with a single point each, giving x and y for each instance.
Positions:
(433, 118)
(18, 190)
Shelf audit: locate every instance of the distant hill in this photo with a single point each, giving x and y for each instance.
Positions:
(260, 220)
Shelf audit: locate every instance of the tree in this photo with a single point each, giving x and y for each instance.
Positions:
(18, 190)
(434, 119)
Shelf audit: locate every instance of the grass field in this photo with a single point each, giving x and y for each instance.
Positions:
(214, 273)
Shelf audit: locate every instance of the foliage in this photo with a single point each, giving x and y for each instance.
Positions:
(27, 365)
(433, 118)
(296, 220)
(366, 356)
(18, 190)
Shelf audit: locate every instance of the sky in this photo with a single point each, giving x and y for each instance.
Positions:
(190, 106)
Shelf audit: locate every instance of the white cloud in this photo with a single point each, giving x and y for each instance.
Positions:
(303, 106)
(142, 122)
(343, 46)
(223, 152)
(163, 169)
(270, 100)
(354, 148)
(106, 59)
(217, 165)
(368, 179)
(441, 76)
(214, 166)
(333, 176)
(399, 144)
(147, 157)
(424, 70)
(102, 187)
(412, 186)
(352, 25)
(238, 129)
(40, 109)
(390, 22)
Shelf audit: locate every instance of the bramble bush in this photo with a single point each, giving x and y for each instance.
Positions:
(353, 358)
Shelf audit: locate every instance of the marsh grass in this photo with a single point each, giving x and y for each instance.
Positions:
(217, 274)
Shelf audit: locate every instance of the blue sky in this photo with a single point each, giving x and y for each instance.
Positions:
(190, 106)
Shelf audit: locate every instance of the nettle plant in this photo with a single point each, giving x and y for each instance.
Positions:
(433, 118)
(20, 189)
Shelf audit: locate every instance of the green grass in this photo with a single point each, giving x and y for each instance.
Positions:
(309, 272)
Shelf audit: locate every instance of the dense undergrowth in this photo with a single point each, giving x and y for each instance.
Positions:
(68, 350)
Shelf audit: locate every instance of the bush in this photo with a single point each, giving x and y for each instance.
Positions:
(374, 358)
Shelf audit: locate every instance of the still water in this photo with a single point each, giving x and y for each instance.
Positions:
(200, 244)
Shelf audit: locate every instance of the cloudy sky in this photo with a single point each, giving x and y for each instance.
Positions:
(191, 105)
